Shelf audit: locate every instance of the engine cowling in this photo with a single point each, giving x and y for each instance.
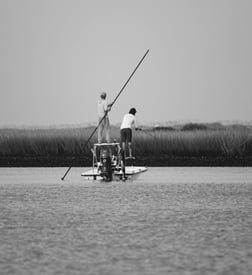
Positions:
(106, 164)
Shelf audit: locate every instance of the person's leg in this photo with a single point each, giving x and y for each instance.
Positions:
(129, 142)
(99, 134)
(100, 131)
(123, 147)
(123, 160)
(130, 149)
(123, 140)
(107, 129)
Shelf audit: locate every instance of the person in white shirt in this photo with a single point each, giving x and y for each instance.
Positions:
(104, 127)
(129, 120)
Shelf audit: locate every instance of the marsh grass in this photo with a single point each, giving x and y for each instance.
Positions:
(195, 143)
(232, 141)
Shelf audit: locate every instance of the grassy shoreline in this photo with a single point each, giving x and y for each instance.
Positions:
(187, 145)
(163, 161)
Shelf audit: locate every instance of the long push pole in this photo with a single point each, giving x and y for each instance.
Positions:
(113, 102)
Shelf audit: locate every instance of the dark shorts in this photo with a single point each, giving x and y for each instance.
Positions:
(126, 135)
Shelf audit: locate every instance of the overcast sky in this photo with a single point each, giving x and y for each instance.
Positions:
(57, 56)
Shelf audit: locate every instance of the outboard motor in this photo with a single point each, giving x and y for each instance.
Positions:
(106, 165)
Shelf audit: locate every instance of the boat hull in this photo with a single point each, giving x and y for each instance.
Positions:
(131, 172)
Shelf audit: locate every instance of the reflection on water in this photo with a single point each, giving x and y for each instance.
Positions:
(171, 220)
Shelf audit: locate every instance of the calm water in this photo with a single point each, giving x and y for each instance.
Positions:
(169, 221)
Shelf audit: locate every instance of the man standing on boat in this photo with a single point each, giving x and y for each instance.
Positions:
(103, 109)
(126, 131)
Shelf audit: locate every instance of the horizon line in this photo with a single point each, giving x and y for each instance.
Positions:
(150, 124)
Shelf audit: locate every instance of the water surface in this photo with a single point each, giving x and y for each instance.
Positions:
(169, 221)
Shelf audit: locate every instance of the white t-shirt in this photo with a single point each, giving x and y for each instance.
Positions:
(128, 121)
(102, 107)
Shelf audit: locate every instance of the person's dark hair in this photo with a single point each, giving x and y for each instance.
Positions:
(132, 111)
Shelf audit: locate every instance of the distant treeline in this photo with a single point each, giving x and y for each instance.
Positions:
(189, 140)
(202, 126)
